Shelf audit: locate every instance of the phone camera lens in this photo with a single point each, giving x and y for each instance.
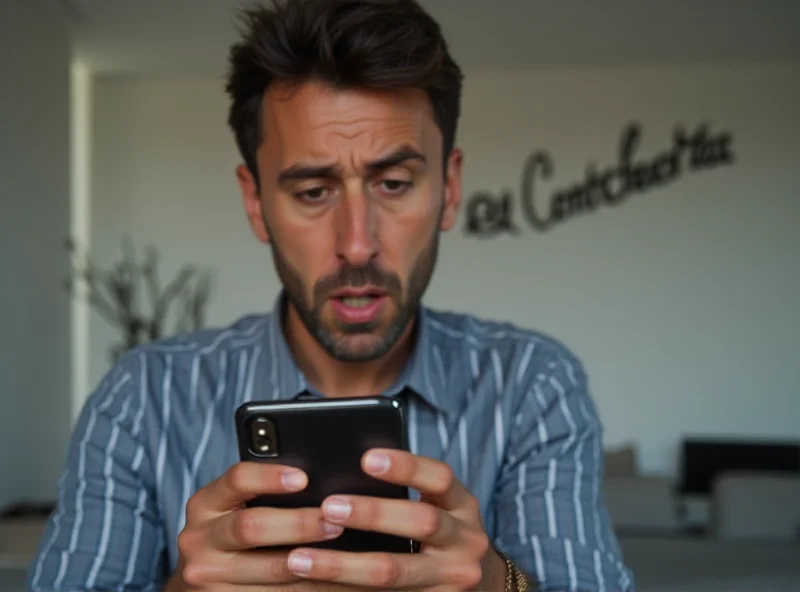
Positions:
(263, 438)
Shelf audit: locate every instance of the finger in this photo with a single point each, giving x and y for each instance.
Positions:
(269, 527)
(432, 478)
(419, 521)
(244, 569)
(256, 570)
(385, 571)
(242, 482)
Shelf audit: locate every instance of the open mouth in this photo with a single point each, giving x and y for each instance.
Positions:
(357, 301)
(358, 298)
(358, 306)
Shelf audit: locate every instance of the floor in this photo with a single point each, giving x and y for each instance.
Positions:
(12, 580)
(697, 565)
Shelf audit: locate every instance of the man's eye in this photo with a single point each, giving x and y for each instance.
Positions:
(312, 195)
(394, 186)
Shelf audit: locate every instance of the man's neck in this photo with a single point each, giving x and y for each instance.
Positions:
(344, 379)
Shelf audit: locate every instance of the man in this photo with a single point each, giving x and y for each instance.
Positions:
(345, 112)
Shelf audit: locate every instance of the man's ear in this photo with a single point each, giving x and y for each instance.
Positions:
(452, 190)
(252, 202)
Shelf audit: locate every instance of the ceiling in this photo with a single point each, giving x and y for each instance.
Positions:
(192, 36)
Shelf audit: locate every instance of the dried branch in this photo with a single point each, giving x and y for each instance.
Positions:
(97, 299)
(115, 293)
(98, 303)
(172, 291)
(149, 272)
(199, 301)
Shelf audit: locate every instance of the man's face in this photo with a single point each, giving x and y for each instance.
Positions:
(352, 196)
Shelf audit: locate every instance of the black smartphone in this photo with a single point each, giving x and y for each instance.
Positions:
(327, 438)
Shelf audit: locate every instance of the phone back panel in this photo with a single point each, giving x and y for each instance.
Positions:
(326, 438)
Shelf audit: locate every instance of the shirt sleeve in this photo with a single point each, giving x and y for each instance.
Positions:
(550, 515)
(105, 533)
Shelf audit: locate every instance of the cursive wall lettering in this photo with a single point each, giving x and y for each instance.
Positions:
(489, 215)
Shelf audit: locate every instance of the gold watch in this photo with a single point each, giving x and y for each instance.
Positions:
(516, 581)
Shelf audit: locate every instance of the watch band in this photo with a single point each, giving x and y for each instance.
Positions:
(516, 581)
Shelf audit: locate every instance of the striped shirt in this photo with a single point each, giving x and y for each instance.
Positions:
(508, 409)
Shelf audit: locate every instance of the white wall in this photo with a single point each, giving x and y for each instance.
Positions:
(34, 220)
(682, 302)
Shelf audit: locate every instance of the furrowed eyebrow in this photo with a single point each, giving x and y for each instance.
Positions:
(300, 172)
(403, 154)
(303, 172)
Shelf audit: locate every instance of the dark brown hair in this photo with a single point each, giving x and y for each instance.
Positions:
(367, 44)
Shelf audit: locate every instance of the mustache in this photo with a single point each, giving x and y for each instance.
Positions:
(349, 276)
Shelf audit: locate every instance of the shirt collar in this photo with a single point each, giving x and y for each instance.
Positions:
(290, 382)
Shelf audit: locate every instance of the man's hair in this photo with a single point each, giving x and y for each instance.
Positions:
(353, 44)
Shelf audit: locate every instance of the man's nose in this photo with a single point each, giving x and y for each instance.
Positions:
(356, 241)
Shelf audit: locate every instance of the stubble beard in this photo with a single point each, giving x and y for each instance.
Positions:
(406, 302)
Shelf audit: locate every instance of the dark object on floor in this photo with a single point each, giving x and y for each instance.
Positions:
(703, 460)
(28, 510)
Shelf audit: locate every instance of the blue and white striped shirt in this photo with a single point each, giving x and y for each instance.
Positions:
(508, 409)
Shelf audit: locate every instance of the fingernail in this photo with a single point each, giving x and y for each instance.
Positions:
(377, 462)
(300, 564)
(332, 530)
(293, 479)
(336, 509)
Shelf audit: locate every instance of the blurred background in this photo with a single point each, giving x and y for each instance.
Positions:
(681, 297)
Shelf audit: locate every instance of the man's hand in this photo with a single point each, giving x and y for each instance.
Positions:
(218, 546)
(455, 555)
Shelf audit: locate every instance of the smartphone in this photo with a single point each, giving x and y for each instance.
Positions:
(327, 438)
